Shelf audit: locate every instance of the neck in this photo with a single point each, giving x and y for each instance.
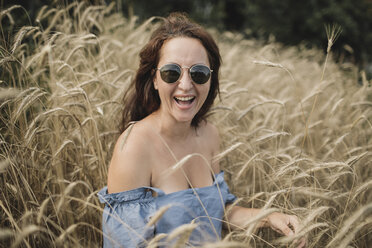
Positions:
(172, 129)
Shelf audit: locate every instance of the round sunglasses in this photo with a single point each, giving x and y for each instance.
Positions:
(171, 73)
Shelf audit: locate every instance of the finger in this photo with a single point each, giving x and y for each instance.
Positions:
(293, 220)
(284, 229)
(287, 231)
(302, 243)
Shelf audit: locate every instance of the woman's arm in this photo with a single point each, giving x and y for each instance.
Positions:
(238, 216)
(129, 166)
(282, 223)
(285, 224)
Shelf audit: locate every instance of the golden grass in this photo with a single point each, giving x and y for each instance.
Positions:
(296, 131)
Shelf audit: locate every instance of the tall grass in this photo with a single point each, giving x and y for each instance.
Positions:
(296, 130)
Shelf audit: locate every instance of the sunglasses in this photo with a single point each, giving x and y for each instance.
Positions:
(171, 73)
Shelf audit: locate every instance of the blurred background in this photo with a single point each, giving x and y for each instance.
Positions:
(289, 22)
(296, 125)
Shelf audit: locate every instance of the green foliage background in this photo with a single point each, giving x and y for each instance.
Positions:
(291, 22)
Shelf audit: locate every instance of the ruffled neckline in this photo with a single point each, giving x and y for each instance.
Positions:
(145, 193)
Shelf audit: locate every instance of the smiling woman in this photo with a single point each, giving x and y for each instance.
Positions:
(164, 160)
(181, 99)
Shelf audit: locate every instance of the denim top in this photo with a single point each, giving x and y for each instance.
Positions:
(126, 214)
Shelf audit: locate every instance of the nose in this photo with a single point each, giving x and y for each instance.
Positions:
(185, 82)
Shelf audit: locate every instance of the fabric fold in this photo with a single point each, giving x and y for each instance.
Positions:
(126, 213)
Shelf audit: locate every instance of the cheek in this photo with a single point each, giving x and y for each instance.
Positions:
(164, 90)
(206, 90)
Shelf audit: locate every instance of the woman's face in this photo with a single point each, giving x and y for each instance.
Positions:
(183, 99)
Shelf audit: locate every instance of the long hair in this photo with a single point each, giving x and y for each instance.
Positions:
(142, 99)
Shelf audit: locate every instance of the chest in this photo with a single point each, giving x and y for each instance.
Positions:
(182, 166)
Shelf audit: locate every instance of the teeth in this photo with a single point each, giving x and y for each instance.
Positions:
(186, 98)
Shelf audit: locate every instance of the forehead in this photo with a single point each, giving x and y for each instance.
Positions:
(184, 51)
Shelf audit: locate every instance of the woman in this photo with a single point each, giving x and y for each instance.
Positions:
(164, 159)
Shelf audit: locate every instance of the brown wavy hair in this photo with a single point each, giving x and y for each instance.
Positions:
(142, 99)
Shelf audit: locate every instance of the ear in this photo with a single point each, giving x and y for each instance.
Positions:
(154, 80)
(155, 84)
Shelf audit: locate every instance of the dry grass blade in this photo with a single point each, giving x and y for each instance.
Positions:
(225, 244)
(35, 94)
(39, 57)
(157, 240)
(42, 210)
(67, 191)
(315, 213)
(265, 211)
(353, 159)
(5, 60)
(245, 166)
(251, 224)
(329, 166)
(72, 52)
(349, 224)
(32, 129)
(68, 231)
(40, 14)
(181, 162)
(4, 164)
(339, 140)
(182, 234)
(313, 193)
(8, 93)
(291, 166)
(54, 20)
(271, 135)
(344, 243)
(6, 233)
(333, 32)
(10, 217)
(24, 233)
(64, 144)
(250, 108)
(227, 151)
(288, 239)
(107, 72)
(7, 12)
(267, 63)
(158, 215)
(335, 106)
(362, 117)
(363, 188)
(362, 103)
(19, 36)
(12, 188)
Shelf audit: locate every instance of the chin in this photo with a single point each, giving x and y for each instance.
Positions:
(184, 118)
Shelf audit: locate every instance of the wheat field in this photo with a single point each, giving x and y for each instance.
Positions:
(296, 130)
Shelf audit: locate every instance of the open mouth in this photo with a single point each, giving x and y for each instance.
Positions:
(184, 100)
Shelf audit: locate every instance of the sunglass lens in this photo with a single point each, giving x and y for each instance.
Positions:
(170, 73)
(200, 74)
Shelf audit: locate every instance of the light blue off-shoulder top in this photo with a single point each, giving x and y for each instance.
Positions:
(126, 214)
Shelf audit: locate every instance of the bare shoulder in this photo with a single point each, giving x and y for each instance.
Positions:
(211, 137)
(129, 166)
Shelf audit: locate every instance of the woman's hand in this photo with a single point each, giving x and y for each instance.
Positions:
(285, 224)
